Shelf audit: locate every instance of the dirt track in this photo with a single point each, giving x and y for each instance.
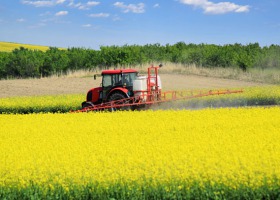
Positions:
(52, 86)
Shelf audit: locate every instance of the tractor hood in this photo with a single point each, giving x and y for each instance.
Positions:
(93, 94)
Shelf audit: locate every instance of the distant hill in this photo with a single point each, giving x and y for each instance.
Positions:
(10, 46)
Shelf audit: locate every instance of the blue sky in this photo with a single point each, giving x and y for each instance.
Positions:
(91, 24)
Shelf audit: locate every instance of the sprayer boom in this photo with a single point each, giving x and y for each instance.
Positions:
(142, 102)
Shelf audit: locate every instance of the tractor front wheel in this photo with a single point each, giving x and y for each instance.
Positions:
(87, 104)
(115, 97)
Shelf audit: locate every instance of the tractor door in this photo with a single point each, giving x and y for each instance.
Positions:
(110, 81)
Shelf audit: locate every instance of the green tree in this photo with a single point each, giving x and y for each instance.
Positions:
(92, 59)
(56, 61)
(4, 60)
(77, 58)
(25, 63)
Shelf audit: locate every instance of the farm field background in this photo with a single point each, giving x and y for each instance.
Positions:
(164, 153)
(231, 153)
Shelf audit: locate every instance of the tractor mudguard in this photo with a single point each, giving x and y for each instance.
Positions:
(120, 89)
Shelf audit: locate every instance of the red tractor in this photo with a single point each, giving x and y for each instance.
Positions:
(116, 85)
(124, 88)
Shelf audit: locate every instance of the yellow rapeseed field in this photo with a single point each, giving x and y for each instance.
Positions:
(10, 46)
(251, 96)
(46, 103)
(136, 152)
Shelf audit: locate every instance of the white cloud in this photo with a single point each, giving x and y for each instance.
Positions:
(156, 5)
(74, 5)
(216, 8)
(61, 13)
(38, 3)
(48, 13)
(45, 3)
(116, 18)
(83, 6)
(100, 15)
(93, 3)
(39, 25)
(60, 1)
(21, 20)
(87, 25)
(135, 8)
(242, 9)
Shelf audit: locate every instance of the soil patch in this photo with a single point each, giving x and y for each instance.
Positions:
(54, 86)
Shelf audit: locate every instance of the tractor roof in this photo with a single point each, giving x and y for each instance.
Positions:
(119, 71)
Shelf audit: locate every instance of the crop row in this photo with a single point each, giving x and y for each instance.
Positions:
(252, 96)
(39, 104)
(230, 153)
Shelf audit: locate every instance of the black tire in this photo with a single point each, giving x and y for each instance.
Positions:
(118, 96)
(87, 104)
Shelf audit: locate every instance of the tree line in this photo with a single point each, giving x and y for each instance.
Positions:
(24, 63)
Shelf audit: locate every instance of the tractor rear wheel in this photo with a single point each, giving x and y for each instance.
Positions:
(119, 96)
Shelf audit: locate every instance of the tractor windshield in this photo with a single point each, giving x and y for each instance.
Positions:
(110, 80)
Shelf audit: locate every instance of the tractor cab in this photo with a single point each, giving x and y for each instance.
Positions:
(117, 78)
(116, 84)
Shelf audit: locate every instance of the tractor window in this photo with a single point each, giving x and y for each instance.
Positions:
(132, 77)
(129, 78)
(112, 80)
(117, 79)
(107, 80)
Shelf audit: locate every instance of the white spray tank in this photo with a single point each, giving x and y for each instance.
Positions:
(140, 86)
